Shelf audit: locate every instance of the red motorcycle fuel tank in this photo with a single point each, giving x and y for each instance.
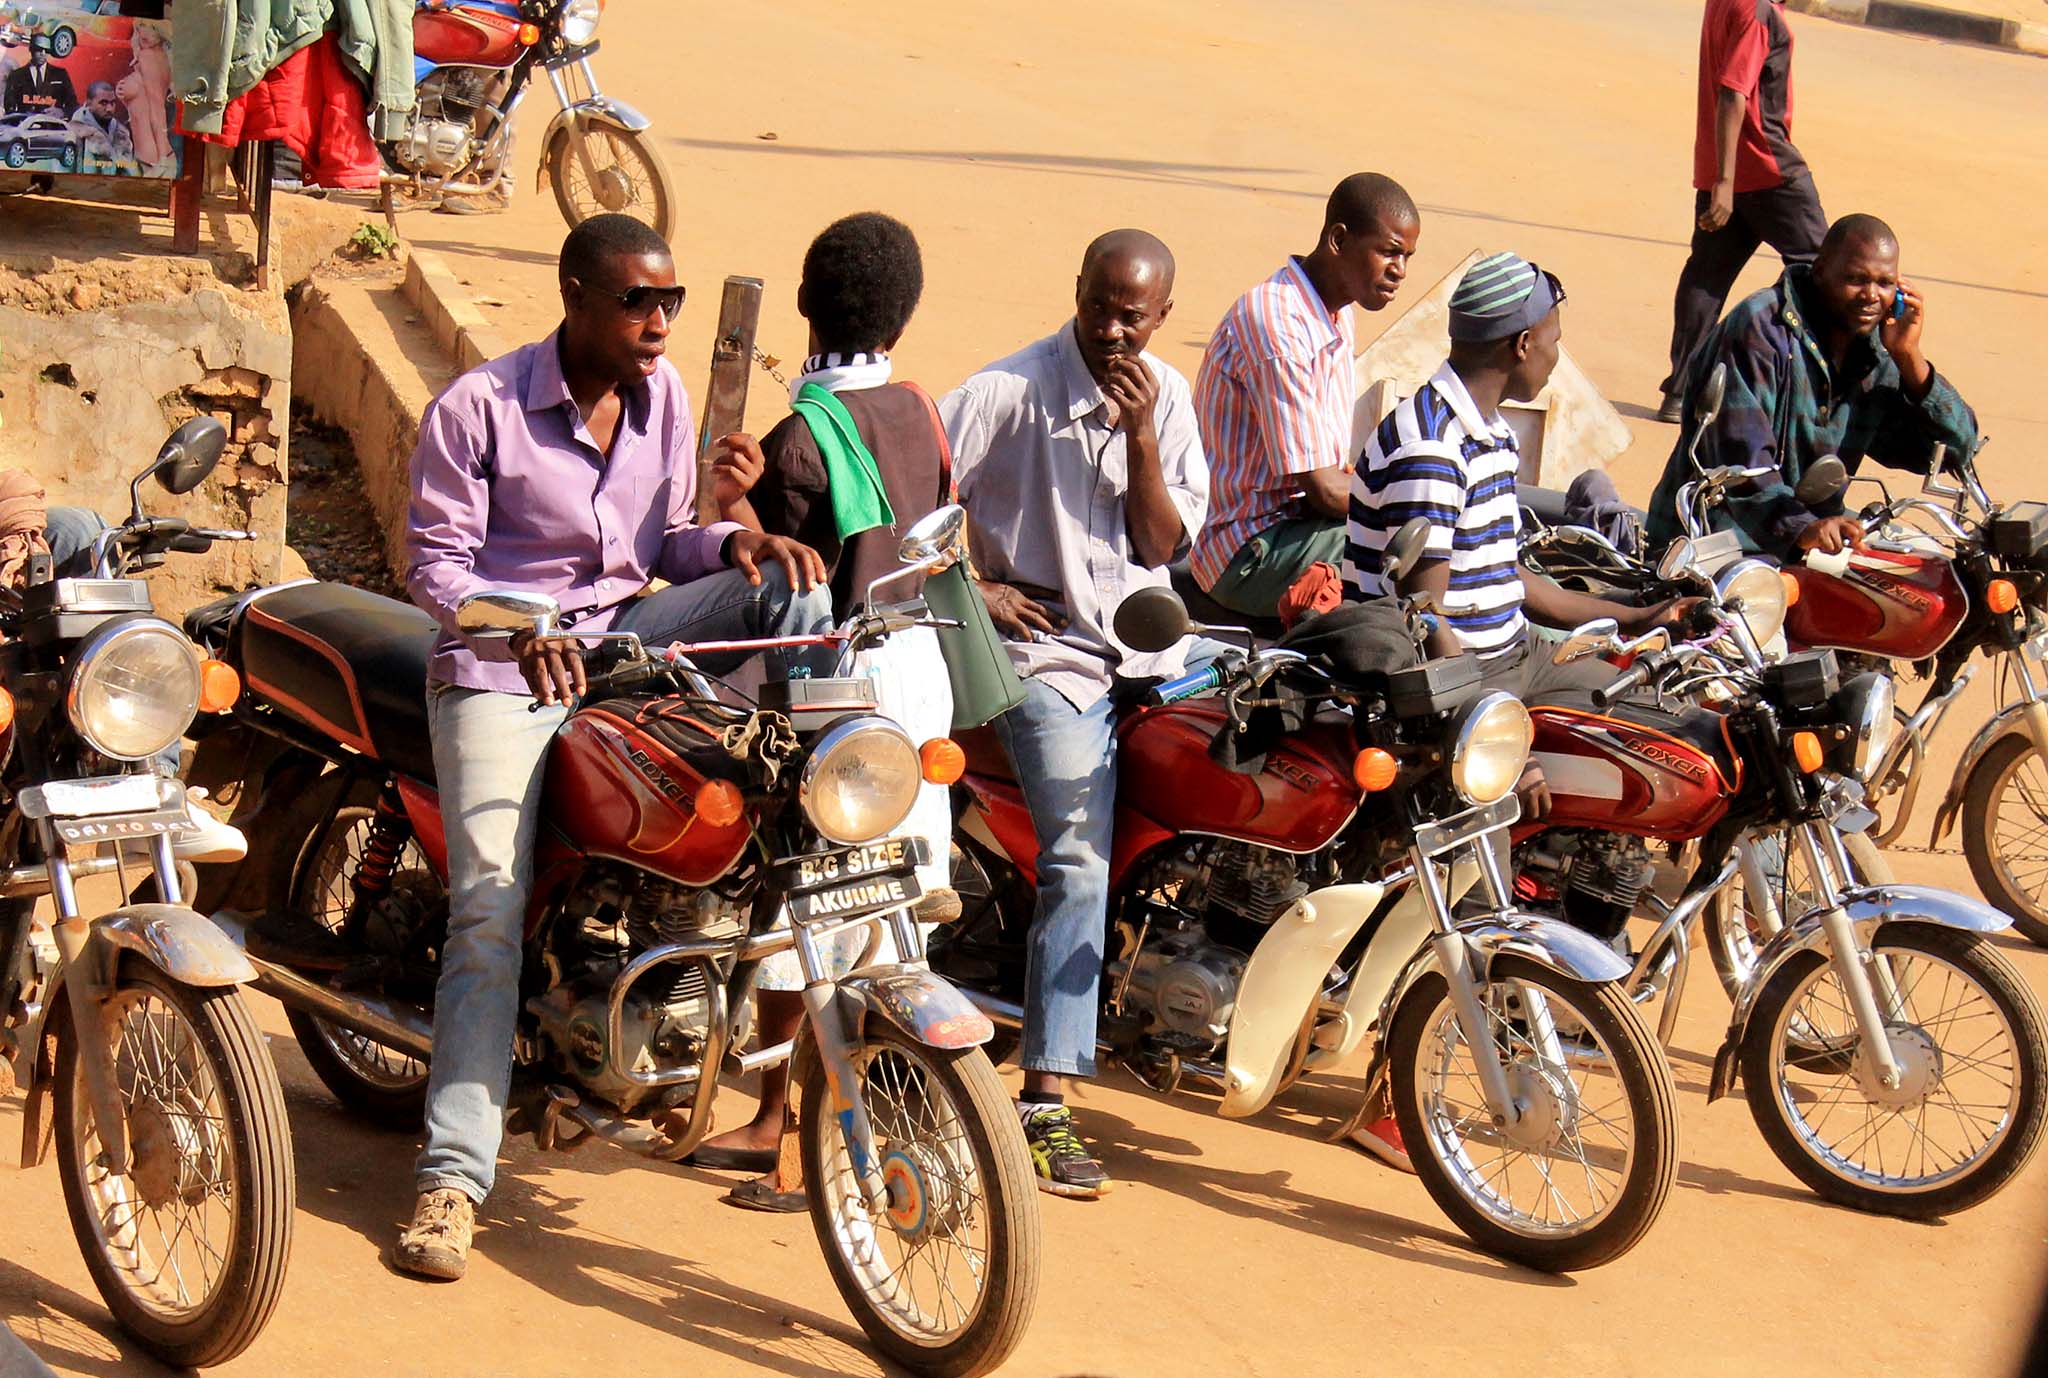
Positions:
(1635, 770)
(1297, 803)
(622, 782)
(1903, 607)
(467, 37)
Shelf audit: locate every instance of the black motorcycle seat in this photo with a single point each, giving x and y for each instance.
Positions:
(1700, 728)
(1206, 610)
(347, 662)
(1547, 505)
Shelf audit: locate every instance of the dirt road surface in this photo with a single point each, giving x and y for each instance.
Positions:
(1008, 135)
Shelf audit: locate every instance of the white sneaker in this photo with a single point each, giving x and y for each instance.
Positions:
(210, 839)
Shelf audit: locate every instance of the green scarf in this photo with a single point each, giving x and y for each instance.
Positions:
(852, 479)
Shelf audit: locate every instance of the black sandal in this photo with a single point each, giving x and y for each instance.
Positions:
(760, 1195)
(732, 1159)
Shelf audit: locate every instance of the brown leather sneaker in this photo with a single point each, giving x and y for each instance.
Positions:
(940, 906)
(436, 1244)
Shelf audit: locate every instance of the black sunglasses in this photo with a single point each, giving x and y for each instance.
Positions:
(639, 302)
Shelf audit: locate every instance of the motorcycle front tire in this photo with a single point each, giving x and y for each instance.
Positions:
(628, 150)
(1995, 783)
(254, 1141)
(1638, 1065)
(1733, 944)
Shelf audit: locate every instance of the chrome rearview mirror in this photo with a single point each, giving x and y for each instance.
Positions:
(1712, 395)
(1823, 481)
(1676, 560)
(507, 612)
(1594, 638)
(1152, 619)
(938, 540)
(1405, 550)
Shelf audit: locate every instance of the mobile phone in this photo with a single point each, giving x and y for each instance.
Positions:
(1898, 303)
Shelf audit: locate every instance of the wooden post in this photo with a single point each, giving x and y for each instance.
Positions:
(263, 170)
(185, 197)
(732, 369)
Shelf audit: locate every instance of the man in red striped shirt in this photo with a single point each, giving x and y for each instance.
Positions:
(1274, 399)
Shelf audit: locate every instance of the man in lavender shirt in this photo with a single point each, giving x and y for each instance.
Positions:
(566, 468)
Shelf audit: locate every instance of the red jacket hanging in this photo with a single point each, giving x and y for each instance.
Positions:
(317, 107)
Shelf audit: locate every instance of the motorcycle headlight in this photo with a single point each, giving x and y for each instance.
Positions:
(579, 21)
(860, 781)
(1491, 748)
(1760, 589)
(1866, 704)
(134, 688)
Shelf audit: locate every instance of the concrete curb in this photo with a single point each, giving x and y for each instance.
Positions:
(1932, 21)
(459, 328)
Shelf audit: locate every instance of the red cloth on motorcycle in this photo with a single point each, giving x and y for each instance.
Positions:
(1319, 589)
(317, 107)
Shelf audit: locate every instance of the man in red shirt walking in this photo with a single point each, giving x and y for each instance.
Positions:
(1750, 185)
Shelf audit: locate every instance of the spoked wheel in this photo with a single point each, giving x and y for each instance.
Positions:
(1969, 1109)
(1735, 934)
(630, 179)
(381, 1084)
(2005, 831)
(1583, 1172)
(943, 1276)
(188, 1247)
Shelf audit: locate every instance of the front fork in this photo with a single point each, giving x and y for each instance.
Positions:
(88, 985)
(565, 93)
(1454, 958)
(1866, 978)
(838, 1049)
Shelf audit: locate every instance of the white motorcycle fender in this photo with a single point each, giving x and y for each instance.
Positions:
(1281, 984)
(1402, 934)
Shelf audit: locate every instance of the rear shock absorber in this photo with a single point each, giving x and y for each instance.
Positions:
(389, 832)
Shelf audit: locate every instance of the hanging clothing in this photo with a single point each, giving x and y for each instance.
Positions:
(313, 104)
(223, 49)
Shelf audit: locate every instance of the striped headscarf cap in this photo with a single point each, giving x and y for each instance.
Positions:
(1501, 295)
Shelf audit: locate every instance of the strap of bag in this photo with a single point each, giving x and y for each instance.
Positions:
(947, 493)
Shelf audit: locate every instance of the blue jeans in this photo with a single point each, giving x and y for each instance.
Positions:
(70, 532)
(490, 758)
(1065, 762)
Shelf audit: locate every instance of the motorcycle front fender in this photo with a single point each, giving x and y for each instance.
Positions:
(2029, 719)
(1383, 969)
(1869, 908)
(177, 941)
(595, 110)
(1280, 986)
(925, 1007)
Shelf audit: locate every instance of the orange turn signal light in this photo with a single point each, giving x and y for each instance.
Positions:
(6, 710)
(529, 34)
(1806, 751)
(720, 803)
(941, 761)
(219, 686)
(1374, 769)
(2001, 595)
(1791, 587)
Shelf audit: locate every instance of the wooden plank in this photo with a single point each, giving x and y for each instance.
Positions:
(732, 369)
(186, 194)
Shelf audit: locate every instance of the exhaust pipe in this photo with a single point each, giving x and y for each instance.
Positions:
(400, 1028)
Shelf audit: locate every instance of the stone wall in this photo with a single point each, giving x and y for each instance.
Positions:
(108, 342)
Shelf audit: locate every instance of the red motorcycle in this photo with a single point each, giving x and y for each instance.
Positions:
(683, 840)
(1291, 842)
(1941, 577)
(1894, 1060)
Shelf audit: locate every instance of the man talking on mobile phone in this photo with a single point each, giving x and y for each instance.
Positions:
(1828, 361)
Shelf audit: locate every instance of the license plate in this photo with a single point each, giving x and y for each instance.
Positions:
(849, 882)
(1433, 839)
(119, 826)
(94, 798)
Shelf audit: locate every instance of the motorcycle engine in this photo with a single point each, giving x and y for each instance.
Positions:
(1203, 915)
(666, 1017)
(1600, 877)
(440, 139)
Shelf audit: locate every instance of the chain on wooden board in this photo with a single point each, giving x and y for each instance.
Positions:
(770, 365)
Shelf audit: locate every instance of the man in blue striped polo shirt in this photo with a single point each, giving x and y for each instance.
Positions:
(1447, 454)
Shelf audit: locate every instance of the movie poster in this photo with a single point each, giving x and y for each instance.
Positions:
(85, 91)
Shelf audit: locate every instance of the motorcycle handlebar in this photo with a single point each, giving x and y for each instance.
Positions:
(1632, 679)
(1202, 681)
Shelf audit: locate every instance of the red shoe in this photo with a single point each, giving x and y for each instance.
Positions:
(1382, 1139)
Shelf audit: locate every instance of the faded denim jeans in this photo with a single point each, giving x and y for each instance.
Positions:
(490, 757)
(1065, 762)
